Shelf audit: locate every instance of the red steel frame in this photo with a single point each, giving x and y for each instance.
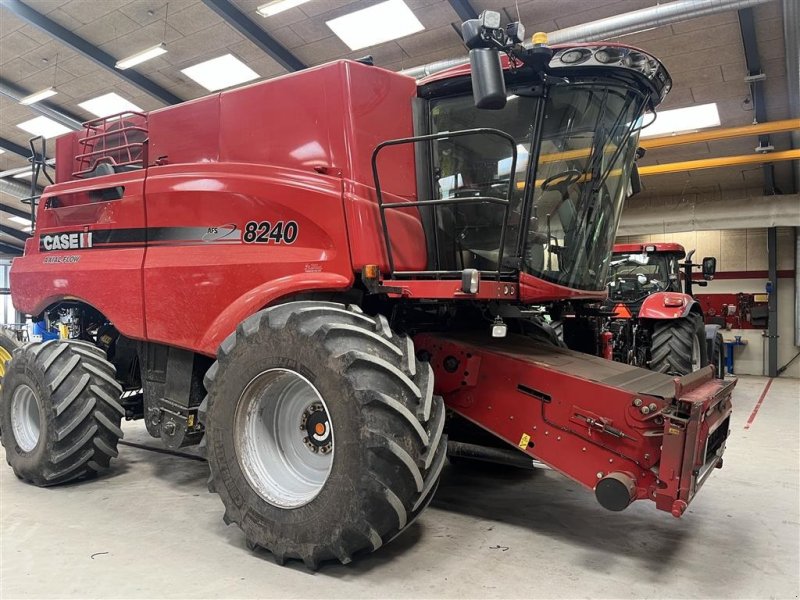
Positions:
(582, 416)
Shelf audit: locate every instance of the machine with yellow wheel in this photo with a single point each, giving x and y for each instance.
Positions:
(8, 343)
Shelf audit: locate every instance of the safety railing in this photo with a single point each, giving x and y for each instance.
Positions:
(434, 203)
(118, 140)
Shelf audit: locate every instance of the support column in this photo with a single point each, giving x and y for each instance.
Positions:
(772, 327)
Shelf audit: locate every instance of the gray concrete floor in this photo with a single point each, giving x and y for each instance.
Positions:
(149, 529)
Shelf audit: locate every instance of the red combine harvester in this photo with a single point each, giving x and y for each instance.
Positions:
(317, 275)
(656, 324)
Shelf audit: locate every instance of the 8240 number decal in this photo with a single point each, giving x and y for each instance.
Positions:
(264, 232)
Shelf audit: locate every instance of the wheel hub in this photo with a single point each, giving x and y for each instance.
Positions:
(314, 423)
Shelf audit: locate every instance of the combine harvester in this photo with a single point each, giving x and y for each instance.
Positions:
(316, 275)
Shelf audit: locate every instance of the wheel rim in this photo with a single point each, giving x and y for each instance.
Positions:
(25, 418)
(5, 356)
(283, 438)
(695, 354)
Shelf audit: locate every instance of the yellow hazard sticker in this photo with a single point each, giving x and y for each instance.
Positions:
(523, 441)
(674, 431)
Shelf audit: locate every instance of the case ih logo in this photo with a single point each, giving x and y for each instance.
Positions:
(66, 241)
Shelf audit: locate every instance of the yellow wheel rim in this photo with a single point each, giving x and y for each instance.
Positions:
(5, 356)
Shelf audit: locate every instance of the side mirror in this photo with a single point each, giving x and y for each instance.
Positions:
(488, 84)
(636, 181)
(485, 38)
(709, 267)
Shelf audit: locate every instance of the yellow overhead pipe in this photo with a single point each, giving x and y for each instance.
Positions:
(707, 135)
(720, 161)
(723, 133)
(696, 165)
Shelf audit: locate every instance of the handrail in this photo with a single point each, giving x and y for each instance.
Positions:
(442, 201)
(97, 133)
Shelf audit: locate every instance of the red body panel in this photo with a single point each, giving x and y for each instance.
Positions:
(110, 280)
(176, 258)
(667, 305)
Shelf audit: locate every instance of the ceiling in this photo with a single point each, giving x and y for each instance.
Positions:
(705, 57)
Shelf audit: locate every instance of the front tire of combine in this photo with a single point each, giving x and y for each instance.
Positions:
(324, 438)
(679, 346)
(59, 412)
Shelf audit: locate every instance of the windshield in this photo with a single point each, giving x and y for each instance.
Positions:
(630, 281)
(586, 155)
(582, 176)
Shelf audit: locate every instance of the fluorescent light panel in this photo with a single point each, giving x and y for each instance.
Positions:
(278, 6)
(681, 120)
(20, 220)
(220, 73)
(38, 96)
(375, 25)
(26, 174)
(45, 127)
(109, 104)
(140, 57)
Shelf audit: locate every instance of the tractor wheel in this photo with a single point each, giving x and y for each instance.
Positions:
(323, 435)
(718, 356)
(59, 412)
(678, 346)
(8, 343)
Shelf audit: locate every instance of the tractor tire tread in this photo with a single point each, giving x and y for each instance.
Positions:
(79, 394)
(403, 443)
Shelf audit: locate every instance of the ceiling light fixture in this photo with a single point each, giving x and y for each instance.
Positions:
(38, 96)
(278, 6)
(682, 120)
(376, 24)
(109, 104)
(140, 57)
(20, 220)
(47, 128)
(220, 73)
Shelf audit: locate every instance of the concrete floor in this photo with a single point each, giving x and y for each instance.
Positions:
(149, 529)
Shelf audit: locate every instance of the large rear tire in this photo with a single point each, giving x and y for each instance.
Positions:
(324, 438)
(59, 412)
(678, 346)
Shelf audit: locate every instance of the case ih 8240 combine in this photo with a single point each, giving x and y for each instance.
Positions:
(317, 275)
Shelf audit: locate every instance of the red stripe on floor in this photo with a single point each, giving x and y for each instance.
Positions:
(758, 405)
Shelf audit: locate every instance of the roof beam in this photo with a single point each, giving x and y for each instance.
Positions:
(464, 9)
(752, 60)
(9, 249)
(15, 212)
(15, 148)
(249, 29)
(88, 50)
(15, 233)
(15, 93)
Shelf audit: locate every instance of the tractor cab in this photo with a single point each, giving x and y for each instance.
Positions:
(638, 271)
(524, 159)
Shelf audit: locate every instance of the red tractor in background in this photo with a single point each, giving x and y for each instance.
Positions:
(655, 323)
(318, 277)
